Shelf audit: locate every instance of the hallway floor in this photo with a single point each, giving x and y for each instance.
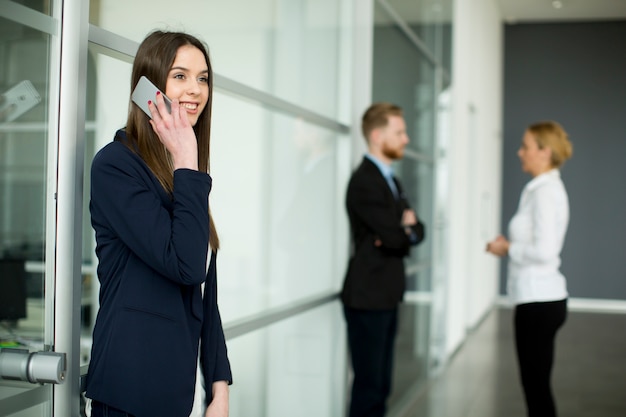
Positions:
(481, 380)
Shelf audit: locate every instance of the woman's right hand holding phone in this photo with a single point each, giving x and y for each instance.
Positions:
(175, 132)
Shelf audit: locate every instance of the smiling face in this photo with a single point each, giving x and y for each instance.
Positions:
(188, 81)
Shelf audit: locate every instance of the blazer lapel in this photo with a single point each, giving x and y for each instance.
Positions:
(374, 172)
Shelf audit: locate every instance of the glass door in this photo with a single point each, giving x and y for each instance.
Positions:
(411, 49)
(25, 313)
(41, 167)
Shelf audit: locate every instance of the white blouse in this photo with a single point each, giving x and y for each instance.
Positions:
(536, 235)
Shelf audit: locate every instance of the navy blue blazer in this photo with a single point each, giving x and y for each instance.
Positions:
(375, 278)
(152, 252)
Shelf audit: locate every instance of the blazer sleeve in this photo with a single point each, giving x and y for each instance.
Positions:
(418, 231)
(127, 203)
(214, 355)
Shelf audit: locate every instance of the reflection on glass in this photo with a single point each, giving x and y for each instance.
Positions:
(23, 134)
(411, 353)
(417, 179)
(414, 86)
(431, 21)
(290, 49)
(303, 200)
(295, 367)
(17, 100)
(38, 410)
(411, 85)
(275, 197)
(108, 93)
(24, 97)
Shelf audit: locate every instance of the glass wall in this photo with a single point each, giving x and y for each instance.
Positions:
(26, 95)
(411, 62)
(280, 161)
(281, 158)
(277, 178)
(295, 367)
(289, 49)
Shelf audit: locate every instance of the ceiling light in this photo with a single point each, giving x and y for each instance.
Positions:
(557, 4)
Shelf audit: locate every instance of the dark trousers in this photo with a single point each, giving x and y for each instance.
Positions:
(371, 335)
(536, 325)
(102, 410)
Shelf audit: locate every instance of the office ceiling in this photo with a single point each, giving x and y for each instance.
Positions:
(561, 10)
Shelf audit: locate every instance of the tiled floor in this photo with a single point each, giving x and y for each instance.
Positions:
(589, 377)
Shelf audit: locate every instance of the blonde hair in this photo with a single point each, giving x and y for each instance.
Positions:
(550, 134)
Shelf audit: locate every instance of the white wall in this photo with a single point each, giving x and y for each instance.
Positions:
(475, 159)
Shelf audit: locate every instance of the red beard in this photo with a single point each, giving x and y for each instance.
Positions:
(393, 153)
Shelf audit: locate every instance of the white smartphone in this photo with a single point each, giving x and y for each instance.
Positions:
(144, 91)
(17, 100)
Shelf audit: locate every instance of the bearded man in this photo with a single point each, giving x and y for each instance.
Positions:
(383, 229)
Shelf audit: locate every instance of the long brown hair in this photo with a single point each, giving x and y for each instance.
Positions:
(154, 58)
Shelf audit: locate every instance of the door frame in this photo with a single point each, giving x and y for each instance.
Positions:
(69, 198)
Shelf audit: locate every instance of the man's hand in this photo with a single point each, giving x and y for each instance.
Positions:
(409, 218)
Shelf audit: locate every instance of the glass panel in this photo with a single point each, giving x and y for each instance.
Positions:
(41, 6)
(288, 48)
(278, 205)
(411, 350)
(24, 102)
(431, 20)
(103, 118)
(422, 114)
(108, 93)
(275, 180)
(418, 179)
(278, 185)
(38, 410)
(295, 367)
(414, 86)
(410, 85)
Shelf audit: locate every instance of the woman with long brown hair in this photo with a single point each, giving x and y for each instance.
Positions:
(158, 325)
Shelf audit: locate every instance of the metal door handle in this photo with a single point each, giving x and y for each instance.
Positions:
(34, 367)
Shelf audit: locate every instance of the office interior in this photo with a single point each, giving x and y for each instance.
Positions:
(292, 79)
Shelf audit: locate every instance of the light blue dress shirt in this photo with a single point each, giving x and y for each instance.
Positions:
(387, 172)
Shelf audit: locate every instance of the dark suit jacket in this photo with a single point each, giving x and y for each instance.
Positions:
(152, 252)
(375, 278)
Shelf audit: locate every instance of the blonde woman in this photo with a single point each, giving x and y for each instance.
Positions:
(535, 284)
